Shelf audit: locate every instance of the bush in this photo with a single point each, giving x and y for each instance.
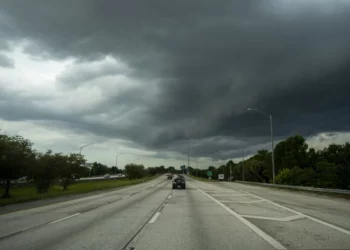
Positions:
(134, 171)
(297, 176)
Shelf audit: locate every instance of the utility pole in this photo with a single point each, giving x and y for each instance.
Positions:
(243, 167)
(272, 152)
(188, 157)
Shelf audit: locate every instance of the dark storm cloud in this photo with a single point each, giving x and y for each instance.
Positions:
(211, 61)
(6, 62)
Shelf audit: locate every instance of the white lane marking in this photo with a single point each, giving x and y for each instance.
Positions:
(243, 202)
(289, 218)
(169, 197)
(226, 195)
(70, 216)
(154, 218)
(306, 216)
(219, 191)
(257, 230)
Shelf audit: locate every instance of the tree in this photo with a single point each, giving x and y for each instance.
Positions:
(99, 169)
(152, 171)
(16, 155)
(70, 165)
(134, 171)
(170, 169)
(47, 170)
(291, 152)
(114, 170)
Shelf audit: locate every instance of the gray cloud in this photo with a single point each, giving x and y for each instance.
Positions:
(6, 62)
(201, 66)
(80, 73)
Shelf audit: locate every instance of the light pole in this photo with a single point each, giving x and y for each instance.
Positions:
(84, 146)
(269, 116)
(243, 167)
(81, 149)
(116, 158)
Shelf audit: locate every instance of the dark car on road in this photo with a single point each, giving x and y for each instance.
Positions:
(179, 182)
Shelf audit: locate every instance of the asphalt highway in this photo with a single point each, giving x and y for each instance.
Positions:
(203, 216)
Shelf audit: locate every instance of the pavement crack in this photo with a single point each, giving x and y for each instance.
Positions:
(126, 247)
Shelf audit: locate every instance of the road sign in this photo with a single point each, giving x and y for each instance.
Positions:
(209, 173)
(183, 167)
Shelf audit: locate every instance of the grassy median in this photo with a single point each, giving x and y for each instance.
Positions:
(22, 194)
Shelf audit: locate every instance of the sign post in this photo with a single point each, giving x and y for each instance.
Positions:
(209, 174)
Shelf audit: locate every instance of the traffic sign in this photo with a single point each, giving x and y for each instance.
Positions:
(209, 173)
(183, 167)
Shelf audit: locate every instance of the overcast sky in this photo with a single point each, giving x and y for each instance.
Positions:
(151, 78)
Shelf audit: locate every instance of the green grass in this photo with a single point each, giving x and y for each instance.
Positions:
(22, 194)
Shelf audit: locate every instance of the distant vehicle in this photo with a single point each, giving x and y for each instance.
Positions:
(119, 175)
(75, 176)
(179, 182)
(107, 176)
(170, 177)
(24, 178)
(221, 177)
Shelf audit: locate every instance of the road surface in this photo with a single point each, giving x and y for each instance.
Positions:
(101, 177)
(204, 216)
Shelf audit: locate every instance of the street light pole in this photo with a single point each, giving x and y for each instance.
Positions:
(269, 116)
(243, 167)
(116, 158)
(81, 149)
(273, 154)
(84, 146)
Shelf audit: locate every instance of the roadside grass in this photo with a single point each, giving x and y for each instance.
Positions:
(23, 194)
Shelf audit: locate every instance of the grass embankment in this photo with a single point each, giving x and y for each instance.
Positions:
(22, 194)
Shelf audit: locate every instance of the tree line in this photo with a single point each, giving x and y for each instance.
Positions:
(18, 158)
(295, 164)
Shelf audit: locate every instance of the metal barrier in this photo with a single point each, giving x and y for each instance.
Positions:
(322, 190)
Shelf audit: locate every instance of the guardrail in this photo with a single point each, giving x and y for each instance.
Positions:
(322, 190)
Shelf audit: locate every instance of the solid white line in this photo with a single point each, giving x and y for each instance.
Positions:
(169, 197)
(219, 191)
(154, 218)
(226, 195)
(70, 216)
(243, 202)
(257, 230)
(304, 215)
(289, 218)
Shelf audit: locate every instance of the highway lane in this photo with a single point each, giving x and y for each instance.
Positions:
(153, 216)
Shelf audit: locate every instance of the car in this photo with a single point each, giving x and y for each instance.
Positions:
(170, 177)
(107, 176)
(179, 182)
(75, 176)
